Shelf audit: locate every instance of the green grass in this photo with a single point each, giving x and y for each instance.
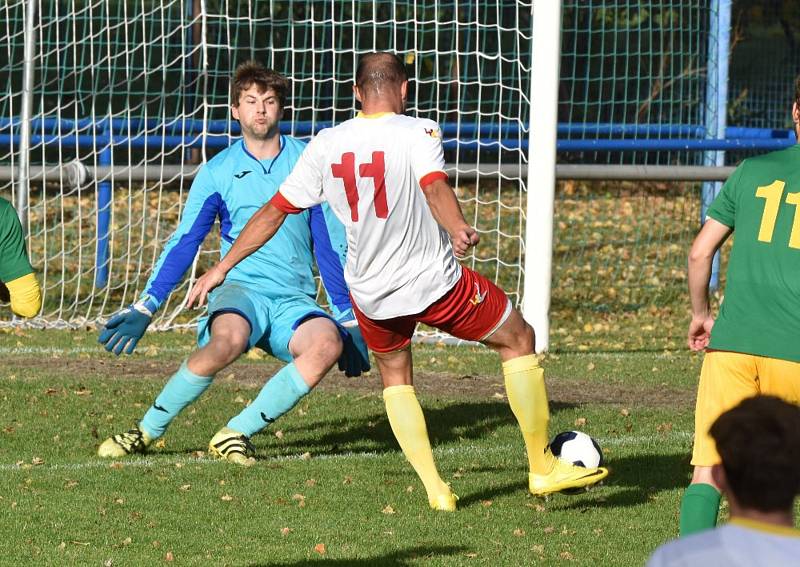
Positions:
(334, 476)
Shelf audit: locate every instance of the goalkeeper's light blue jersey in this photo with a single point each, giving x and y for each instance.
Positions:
(231, 187)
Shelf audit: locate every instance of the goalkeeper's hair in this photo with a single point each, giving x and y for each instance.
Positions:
(378, 69)
(251, 73)
(759, 444)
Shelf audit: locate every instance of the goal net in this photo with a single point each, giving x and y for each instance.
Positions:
(130, 97)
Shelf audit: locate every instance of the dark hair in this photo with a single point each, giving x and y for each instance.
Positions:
(378, 69)
(797, 91)
(759, 444)
(252, 72)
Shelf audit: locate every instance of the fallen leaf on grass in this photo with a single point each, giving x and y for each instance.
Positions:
(566, 555)
(185, 487)
(580, 422)
(549, 529)
(305, 456)
(226, 497)
(279, 434)
(169, 556)
(161, 443)
(486, 503)
(127, 541)
(388, 510)
(320, 548)
(286, 531)
(311, 482)
(519, 532)
(36, 461)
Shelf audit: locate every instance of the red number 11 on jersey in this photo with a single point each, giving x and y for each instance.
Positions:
(346, 171)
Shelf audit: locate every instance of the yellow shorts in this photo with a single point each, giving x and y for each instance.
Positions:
(725, 380)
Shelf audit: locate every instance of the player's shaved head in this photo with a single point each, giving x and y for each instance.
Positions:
(252, 73)
(377, 71)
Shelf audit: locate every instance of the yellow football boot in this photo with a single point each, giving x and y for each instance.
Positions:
(123, 444)
(232, 446)
(565, 477)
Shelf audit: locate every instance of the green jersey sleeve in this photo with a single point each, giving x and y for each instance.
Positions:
(13, 258)
(723, 209)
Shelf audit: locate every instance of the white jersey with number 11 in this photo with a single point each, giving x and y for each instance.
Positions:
(370, 170)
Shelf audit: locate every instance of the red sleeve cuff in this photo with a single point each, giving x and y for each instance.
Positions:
(282, 204)
(431, 177)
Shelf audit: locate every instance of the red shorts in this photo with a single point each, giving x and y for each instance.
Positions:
(472, 310)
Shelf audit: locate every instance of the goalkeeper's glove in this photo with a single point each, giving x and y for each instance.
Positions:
(123, 330)
(355, 355)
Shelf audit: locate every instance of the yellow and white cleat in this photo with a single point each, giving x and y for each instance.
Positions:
(123, 444)
(565, 477)
(444, 502)
(232, 446)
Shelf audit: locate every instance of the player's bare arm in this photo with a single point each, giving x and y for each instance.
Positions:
(447, 212)
(261, 227)
(708, 241)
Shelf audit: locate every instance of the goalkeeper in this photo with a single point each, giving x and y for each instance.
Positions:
(269, 300)
(17, 281)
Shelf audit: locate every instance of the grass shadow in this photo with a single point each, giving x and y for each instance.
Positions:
(643, 478)
(396, 559)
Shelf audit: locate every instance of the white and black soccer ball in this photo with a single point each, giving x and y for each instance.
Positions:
(577, 448)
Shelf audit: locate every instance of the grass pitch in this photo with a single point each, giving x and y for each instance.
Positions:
(330, 484)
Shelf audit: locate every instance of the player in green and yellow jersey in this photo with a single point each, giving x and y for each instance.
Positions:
(754, 347)
(17, 281)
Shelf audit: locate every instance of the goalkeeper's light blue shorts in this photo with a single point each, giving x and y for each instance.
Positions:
(273, 320)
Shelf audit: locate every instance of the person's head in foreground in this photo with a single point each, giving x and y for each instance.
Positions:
(759, 444)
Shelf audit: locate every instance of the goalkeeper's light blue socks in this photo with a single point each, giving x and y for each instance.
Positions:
(699, 508)
(181, 390)
(278, 396)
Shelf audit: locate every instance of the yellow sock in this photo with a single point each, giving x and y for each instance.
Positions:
(527, 397)
(408, 425)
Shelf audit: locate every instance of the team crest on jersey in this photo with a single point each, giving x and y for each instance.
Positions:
(432, 132)
(479, 297)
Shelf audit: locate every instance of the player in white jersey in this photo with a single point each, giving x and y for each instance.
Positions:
(758, 442)
(383, 176)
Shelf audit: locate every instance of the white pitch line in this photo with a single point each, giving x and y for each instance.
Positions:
(625, 441)
(71, 350)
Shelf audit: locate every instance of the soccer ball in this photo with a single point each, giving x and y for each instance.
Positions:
(577, 448)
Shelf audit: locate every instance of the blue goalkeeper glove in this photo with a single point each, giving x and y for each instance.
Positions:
(355, 355)
(123, 330)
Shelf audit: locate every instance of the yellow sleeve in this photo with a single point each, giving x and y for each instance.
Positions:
(26, 296)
